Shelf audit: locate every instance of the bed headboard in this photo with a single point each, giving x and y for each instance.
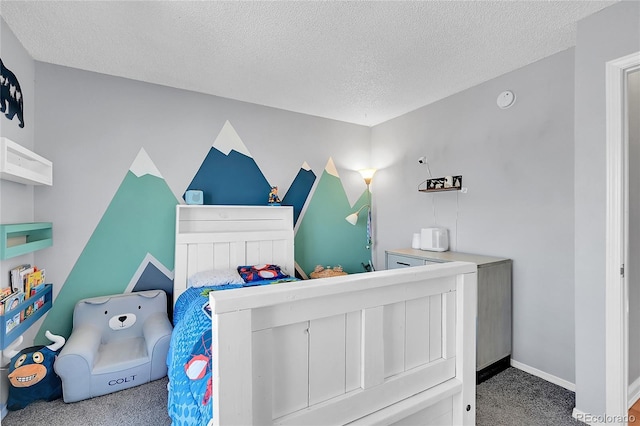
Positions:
(216, 237)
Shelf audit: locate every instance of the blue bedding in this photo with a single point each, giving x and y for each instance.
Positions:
(190, 356)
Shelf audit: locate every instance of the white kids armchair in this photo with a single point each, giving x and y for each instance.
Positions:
(117, 342)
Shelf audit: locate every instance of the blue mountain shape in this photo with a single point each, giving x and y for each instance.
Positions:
(139, 220)
(153, 278)
(299, 191)
(233, 179)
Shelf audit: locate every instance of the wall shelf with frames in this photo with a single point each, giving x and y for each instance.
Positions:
(439, 190)
(447, 183)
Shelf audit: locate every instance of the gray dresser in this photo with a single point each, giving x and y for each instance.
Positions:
(493, 334)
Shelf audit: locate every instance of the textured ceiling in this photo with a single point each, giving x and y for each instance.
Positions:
(363, 62)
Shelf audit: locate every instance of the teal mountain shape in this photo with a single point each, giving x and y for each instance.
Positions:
(299, 191)
(139, 220)
(324, 237)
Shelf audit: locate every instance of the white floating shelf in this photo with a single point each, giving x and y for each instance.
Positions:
(18, 164)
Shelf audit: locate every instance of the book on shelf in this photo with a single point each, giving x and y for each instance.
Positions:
(36, 289)
(12, 321)
(15, 277)
(38, 303)
(5, 291)
(11, 302)
(24, 277)
(2, 300)
(32, 280)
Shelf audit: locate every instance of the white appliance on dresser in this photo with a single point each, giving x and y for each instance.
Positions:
(493, 331)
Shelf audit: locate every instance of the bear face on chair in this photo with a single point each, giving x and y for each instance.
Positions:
(120, 322)
(120, 316)
(118, 341)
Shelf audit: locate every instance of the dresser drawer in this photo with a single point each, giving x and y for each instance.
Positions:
(394, 261)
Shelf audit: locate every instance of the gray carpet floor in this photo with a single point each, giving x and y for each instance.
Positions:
(512, 397)
(140, 406)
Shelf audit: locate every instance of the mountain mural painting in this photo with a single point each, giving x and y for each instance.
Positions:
(299, 190)
(229, 175)
(324, 237)
(153, 275)
(139, 221)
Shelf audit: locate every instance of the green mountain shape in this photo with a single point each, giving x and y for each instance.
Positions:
(139, 220)
(324, 237)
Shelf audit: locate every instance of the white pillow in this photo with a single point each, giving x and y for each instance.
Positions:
(215, 277)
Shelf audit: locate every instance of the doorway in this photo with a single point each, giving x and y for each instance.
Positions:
(633, 246)
(618, 273)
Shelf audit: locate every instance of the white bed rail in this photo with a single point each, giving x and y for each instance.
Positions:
(371, 348)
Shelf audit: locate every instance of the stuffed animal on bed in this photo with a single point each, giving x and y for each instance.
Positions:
(31, 374)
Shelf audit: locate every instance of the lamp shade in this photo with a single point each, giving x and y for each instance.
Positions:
(352, 218)
(367, 174)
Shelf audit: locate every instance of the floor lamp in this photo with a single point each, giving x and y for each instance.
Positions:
(367, 175)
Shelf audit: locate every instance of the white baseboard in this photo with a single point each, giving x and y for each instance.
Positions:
(633, 393)
(586, 418)
(592, 420)
(545, 376)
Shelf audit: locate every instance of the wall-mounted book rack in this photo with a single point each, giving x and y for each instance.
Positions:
(17, 320)
(21, 238)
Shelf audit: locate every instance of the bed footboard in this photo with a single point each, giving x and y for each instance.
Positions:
(384, 347)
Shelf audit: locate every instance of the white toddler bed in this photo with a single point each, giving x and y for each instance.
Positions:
(378, 348)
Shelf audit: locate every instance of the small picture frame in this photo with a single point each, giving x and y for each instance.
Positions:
(446, 183)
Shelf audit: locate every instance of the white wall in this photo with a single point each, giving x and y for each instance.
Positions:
(16, 200)
(517, 164)
(609, 34)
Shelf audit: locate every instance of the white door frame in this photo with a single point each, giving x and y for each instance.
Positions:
(617, 367)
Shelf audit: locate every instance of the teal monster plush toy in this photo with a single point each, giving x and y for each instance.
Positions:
(31, 374)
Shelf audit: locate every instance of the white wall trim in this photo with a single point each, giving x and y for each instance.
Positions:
(545, 376)
(634, 392)
(616, 304)
(588, 418)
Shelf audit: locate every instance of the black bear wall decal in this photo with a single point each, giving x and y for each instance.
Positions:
(10, 95)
